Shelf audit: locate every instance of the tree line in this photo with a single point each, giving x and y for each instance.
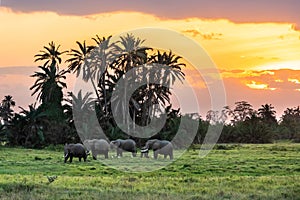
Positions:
(51, 119)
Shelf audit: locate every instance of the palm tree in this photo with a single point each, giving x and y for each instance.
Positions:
(92, 62)
(290, 121)
(50, 53)
(172, 71)
(174, 68)
(78, 58)
(33, 126)
(242, 111)
(268, 114)
(81, 103)
(6, 112)
(48, 82)
(49, 85)
(27, 128)
(84, 116)
(129, 54)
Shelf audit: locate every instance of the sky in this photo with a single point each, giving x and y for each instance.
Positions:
(254, 44)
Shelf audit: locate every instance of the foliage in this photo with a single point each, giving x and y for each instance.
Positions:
(6, 113)
(290, 124)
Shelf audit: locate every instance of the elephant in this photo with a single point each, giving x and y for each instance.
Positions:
(75, 150)
(163, 147)
(124, 145)
(97, 146)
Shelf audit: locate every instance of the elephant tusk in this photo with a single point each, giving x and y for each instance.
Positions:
(66, 155)
(144, 150)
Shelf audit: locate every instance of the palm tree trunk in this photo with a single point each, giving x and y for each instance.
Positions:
(96, 91)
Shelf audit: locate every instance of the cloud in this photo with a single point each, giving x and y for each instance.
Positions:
(193, 32)
(205, 36)
(284, 79)
(259, 86)
(245, 73)
(293, 80)
(256, 87)
(235, 10)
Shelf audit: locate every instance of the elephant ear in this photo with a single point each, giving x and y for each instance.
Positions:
(114, 143)
(117, 143)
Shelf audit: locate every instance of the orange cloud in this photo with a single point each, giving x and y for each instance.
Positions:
(293, 80)
(245, 73)
(205, 36)
(259, 86)
(285, 79)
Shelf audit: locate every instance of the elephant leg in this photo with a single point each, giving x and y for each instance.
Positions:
(84, 158)
(144, 155)
(165, 156)
(134, 154)
(94, 155)
(79, 159)
(66, 158)
(171, 156)
(71, 158)
(155, 154)
(106, 154)
(119, 152)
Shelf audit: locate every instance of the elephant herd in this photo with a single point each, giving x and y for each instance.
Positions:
(101, 146)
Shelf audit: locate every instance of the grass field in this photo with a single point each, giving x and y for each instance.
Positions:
(228, 172)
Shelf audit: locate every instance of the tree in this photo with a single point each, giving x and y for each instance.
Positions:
(290, 122)
(27, 128)
(220, 117)
(78, 62)
(6, 113)
(129, 54)
(253, 130)
(92, 62)
(268, 114)
(242, 111)
(48, 85)
(82, 111)
(50, 54)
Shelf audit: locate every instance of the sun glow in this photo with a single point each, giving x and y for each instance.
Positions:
(294, 65)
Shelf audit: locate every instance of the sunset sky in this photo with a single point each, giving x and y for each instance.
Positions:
(255, 44)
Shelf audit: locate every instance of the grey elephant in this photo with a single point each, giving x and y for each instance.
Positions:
(97, 146)
(163, 147)
(124, 145)
(75, 150)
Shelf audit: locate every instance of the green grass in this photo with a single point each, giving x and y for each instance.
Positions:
(228, 172)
